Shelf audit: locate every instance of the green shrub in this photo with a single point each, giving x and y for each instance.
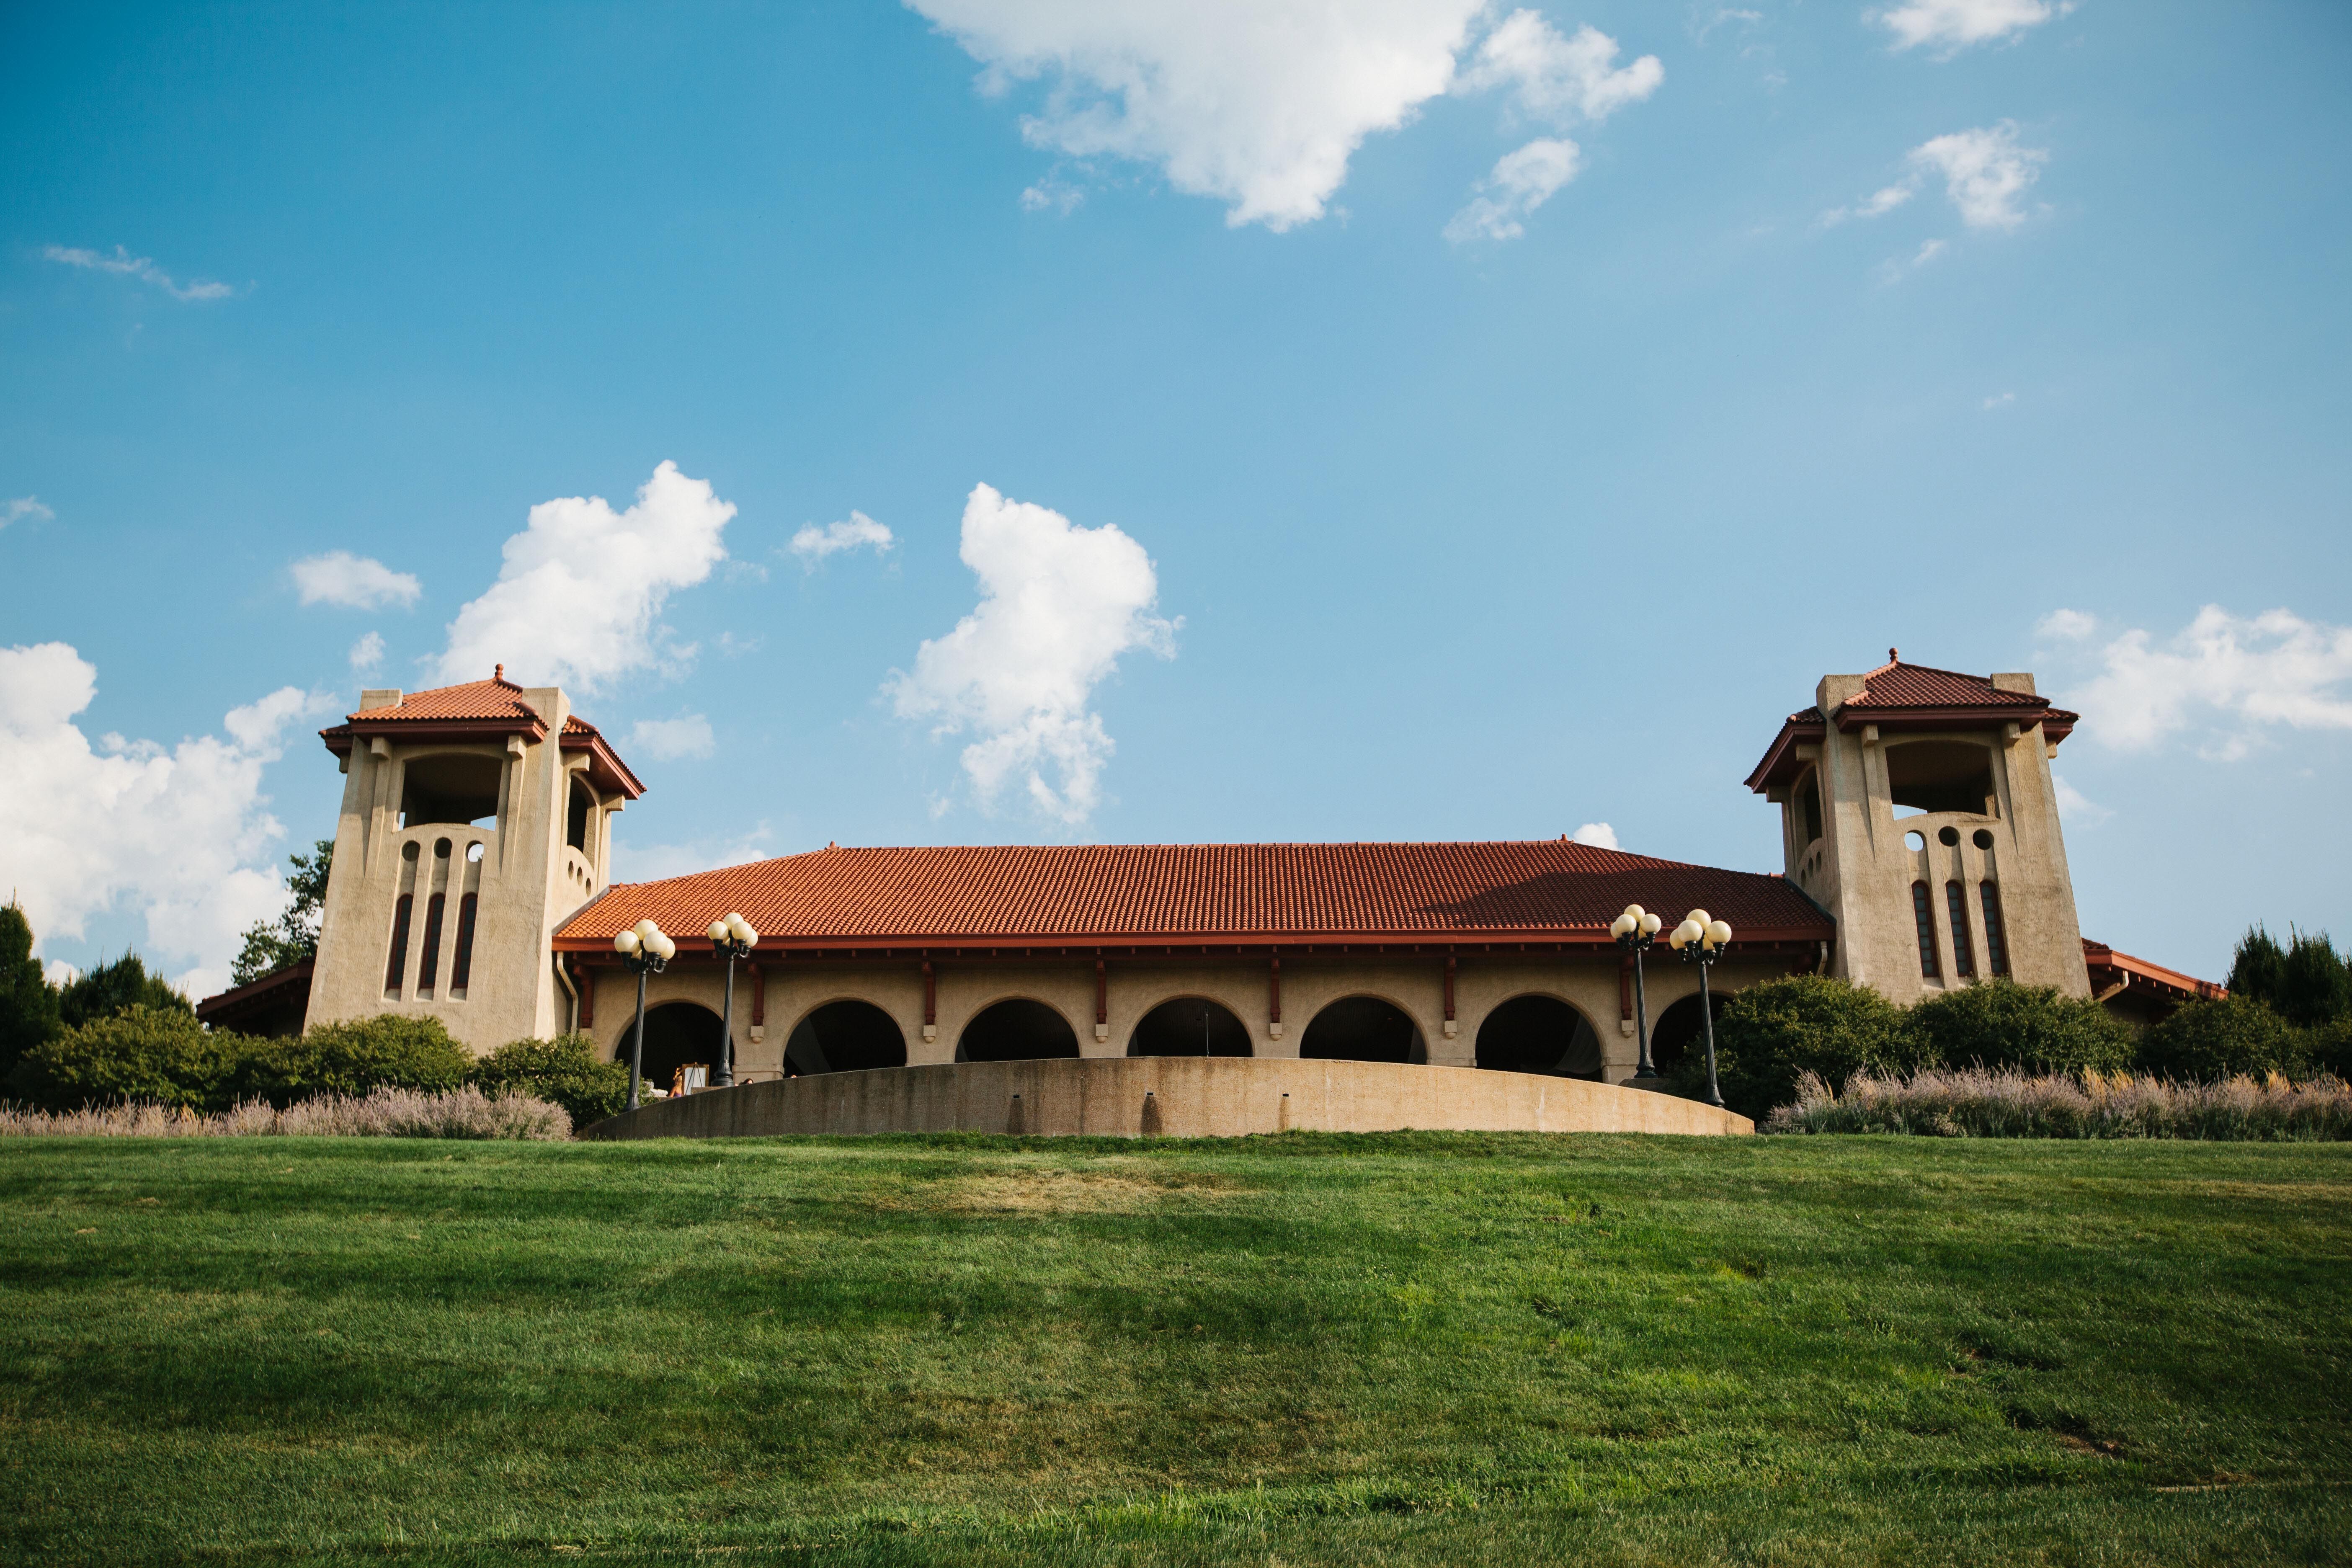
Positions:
(2328, 1050)
(1770, 1033)
(564, 1071)
(106, 989)
(158, 1054)
(1998, 1022)
(387, 1051)
(2208, 1041)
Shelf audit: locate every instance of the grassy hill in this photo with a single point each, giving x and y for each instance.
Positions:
(1415, 1348)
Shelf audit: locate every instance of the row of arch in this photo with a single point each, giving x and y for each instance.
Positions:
(1532, 1033)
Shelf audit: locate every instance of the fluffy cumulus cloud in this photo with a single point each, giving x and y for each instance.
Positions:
(122, 264)
(1522, 182)
(23, 506)
(1952, 25)
(1600, 834)
(1260, 103)
(367, 653)
(813, 544)
(354, 582)
(669, 739)
(2223, 678)
(1059, 604)
(1984, 171)
(581, 591)
(180, 836)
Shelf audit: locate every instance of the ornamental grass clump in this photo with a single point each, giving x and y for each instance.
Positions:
(383, 1113)
(1980, 1103)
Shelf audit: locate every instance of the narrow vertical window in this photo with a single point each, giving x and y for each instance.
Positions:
(428, 962)
(397, 964)
(1964, 954)
(1925, 912)
(1996, 938)
(461, 967)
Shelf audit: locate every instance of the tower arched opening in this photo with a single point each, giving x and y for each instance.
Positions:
(1940, 776)
(1189, 1027)
(1016, 1029)
(849, 1035)
(1541, 1035)
(678, 1033)
(1363, 1029)
(455, 787)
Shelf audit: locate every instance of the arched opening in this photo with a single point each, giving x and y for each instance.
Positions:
(1678, 1033)
(458, 787)
(678, 1033)
(1539, 1034)
(576, 819)
(1189, 1027)
(844, 1037)
(1363, 1029)
(1940, 776)
(1016, 1030)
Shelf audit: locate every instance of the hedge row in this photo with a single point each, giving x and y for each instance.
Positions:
(1770, 1034)
(163, 1056)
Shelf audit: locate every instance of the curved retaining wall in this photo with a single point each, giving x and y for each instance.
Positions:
(1177, 1097)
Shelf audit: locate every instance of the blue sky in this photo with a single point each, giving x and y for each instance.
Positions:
(1835, 328)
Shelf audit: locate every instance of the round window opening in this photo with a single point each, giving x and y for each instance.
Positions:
(441, 850)
(1914, 841)
(1983, 838)
(473, 854)
(408, 850)
(1948, 835)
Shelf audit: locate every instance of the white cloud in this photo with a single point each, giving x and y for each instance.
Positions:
(354, 582)
(1953, 24)
(367, 653)
(123, 264)
(1058, 605)
(1053, 195)
(1985, 171)
(669, 739)
(23, 507)
(179, 836)
(2226, 677)
(1877, 204)
(1522, 182)
(1556, 79)
(2068, 626)
(2000, 400)
(813, 544)
(579, 596)
(2074, 808)
(1600, 834)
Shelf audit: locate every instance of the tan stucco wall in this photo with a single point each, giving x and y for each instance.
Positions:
(1862, 869)
(529, 881)
(1180, 1097)
(1414, 985)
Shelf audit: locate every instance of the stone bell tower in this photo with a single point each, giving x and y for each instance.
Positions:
(1916, 809)
(476, 819)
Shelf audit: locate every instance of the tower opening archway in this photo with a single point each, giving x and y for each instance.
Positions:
(678, 1033)
(1189, 1027)
(1541, 1034)
(1363, 1029)
(849, 1035)
(1016, 1029)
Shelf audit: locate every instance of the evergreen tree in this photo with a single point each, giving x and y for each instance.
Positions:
(106, 989)
(273, 945)
(2258, 969)
(2315, 984)
(28, 1003)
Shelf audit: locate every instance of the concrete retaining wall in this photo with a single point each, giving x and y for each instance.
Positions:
(1178, 1096)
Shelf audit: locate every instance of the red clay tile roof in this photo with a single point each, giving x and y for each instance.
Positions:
(478, 708)
(1899, 685)
(1911, 696)
(492, 698)
(1120, 894)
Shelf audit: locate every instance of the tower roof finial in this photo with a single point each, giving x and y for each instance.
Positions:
(497, 672)
(1895, 655)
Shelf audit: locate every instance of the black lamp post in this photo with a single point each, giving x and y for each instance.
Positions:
(734, 937)
(648, 951)
(1701, 941)
(1634, 930)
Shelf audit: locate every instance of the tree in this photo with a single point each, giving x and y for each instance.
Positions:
(109, 988)
(28, 1002)
(2306, 982)
(292, 937)
(2258, 967)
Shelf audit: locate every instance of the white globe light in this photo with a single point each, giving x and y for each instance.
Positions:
(718, 932)
(1621, 926)
(746, 935)
(1699, 916)
(1684, 935)
(1651, 924)
(626, 944)
(1718, 933)
(664, 949)
(1634, 913)
(646, 928)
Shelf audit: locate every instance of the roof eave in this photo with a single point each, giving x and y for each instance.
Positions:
(1779, 764)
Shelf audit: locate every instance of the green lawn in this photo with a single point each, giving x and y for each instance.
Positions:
(1416, 1347)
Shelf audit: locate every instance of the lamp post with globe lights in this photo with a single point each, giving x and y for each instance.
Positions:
(646, 950)
(1701, 939)
(1634, 930)
(734, 937)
